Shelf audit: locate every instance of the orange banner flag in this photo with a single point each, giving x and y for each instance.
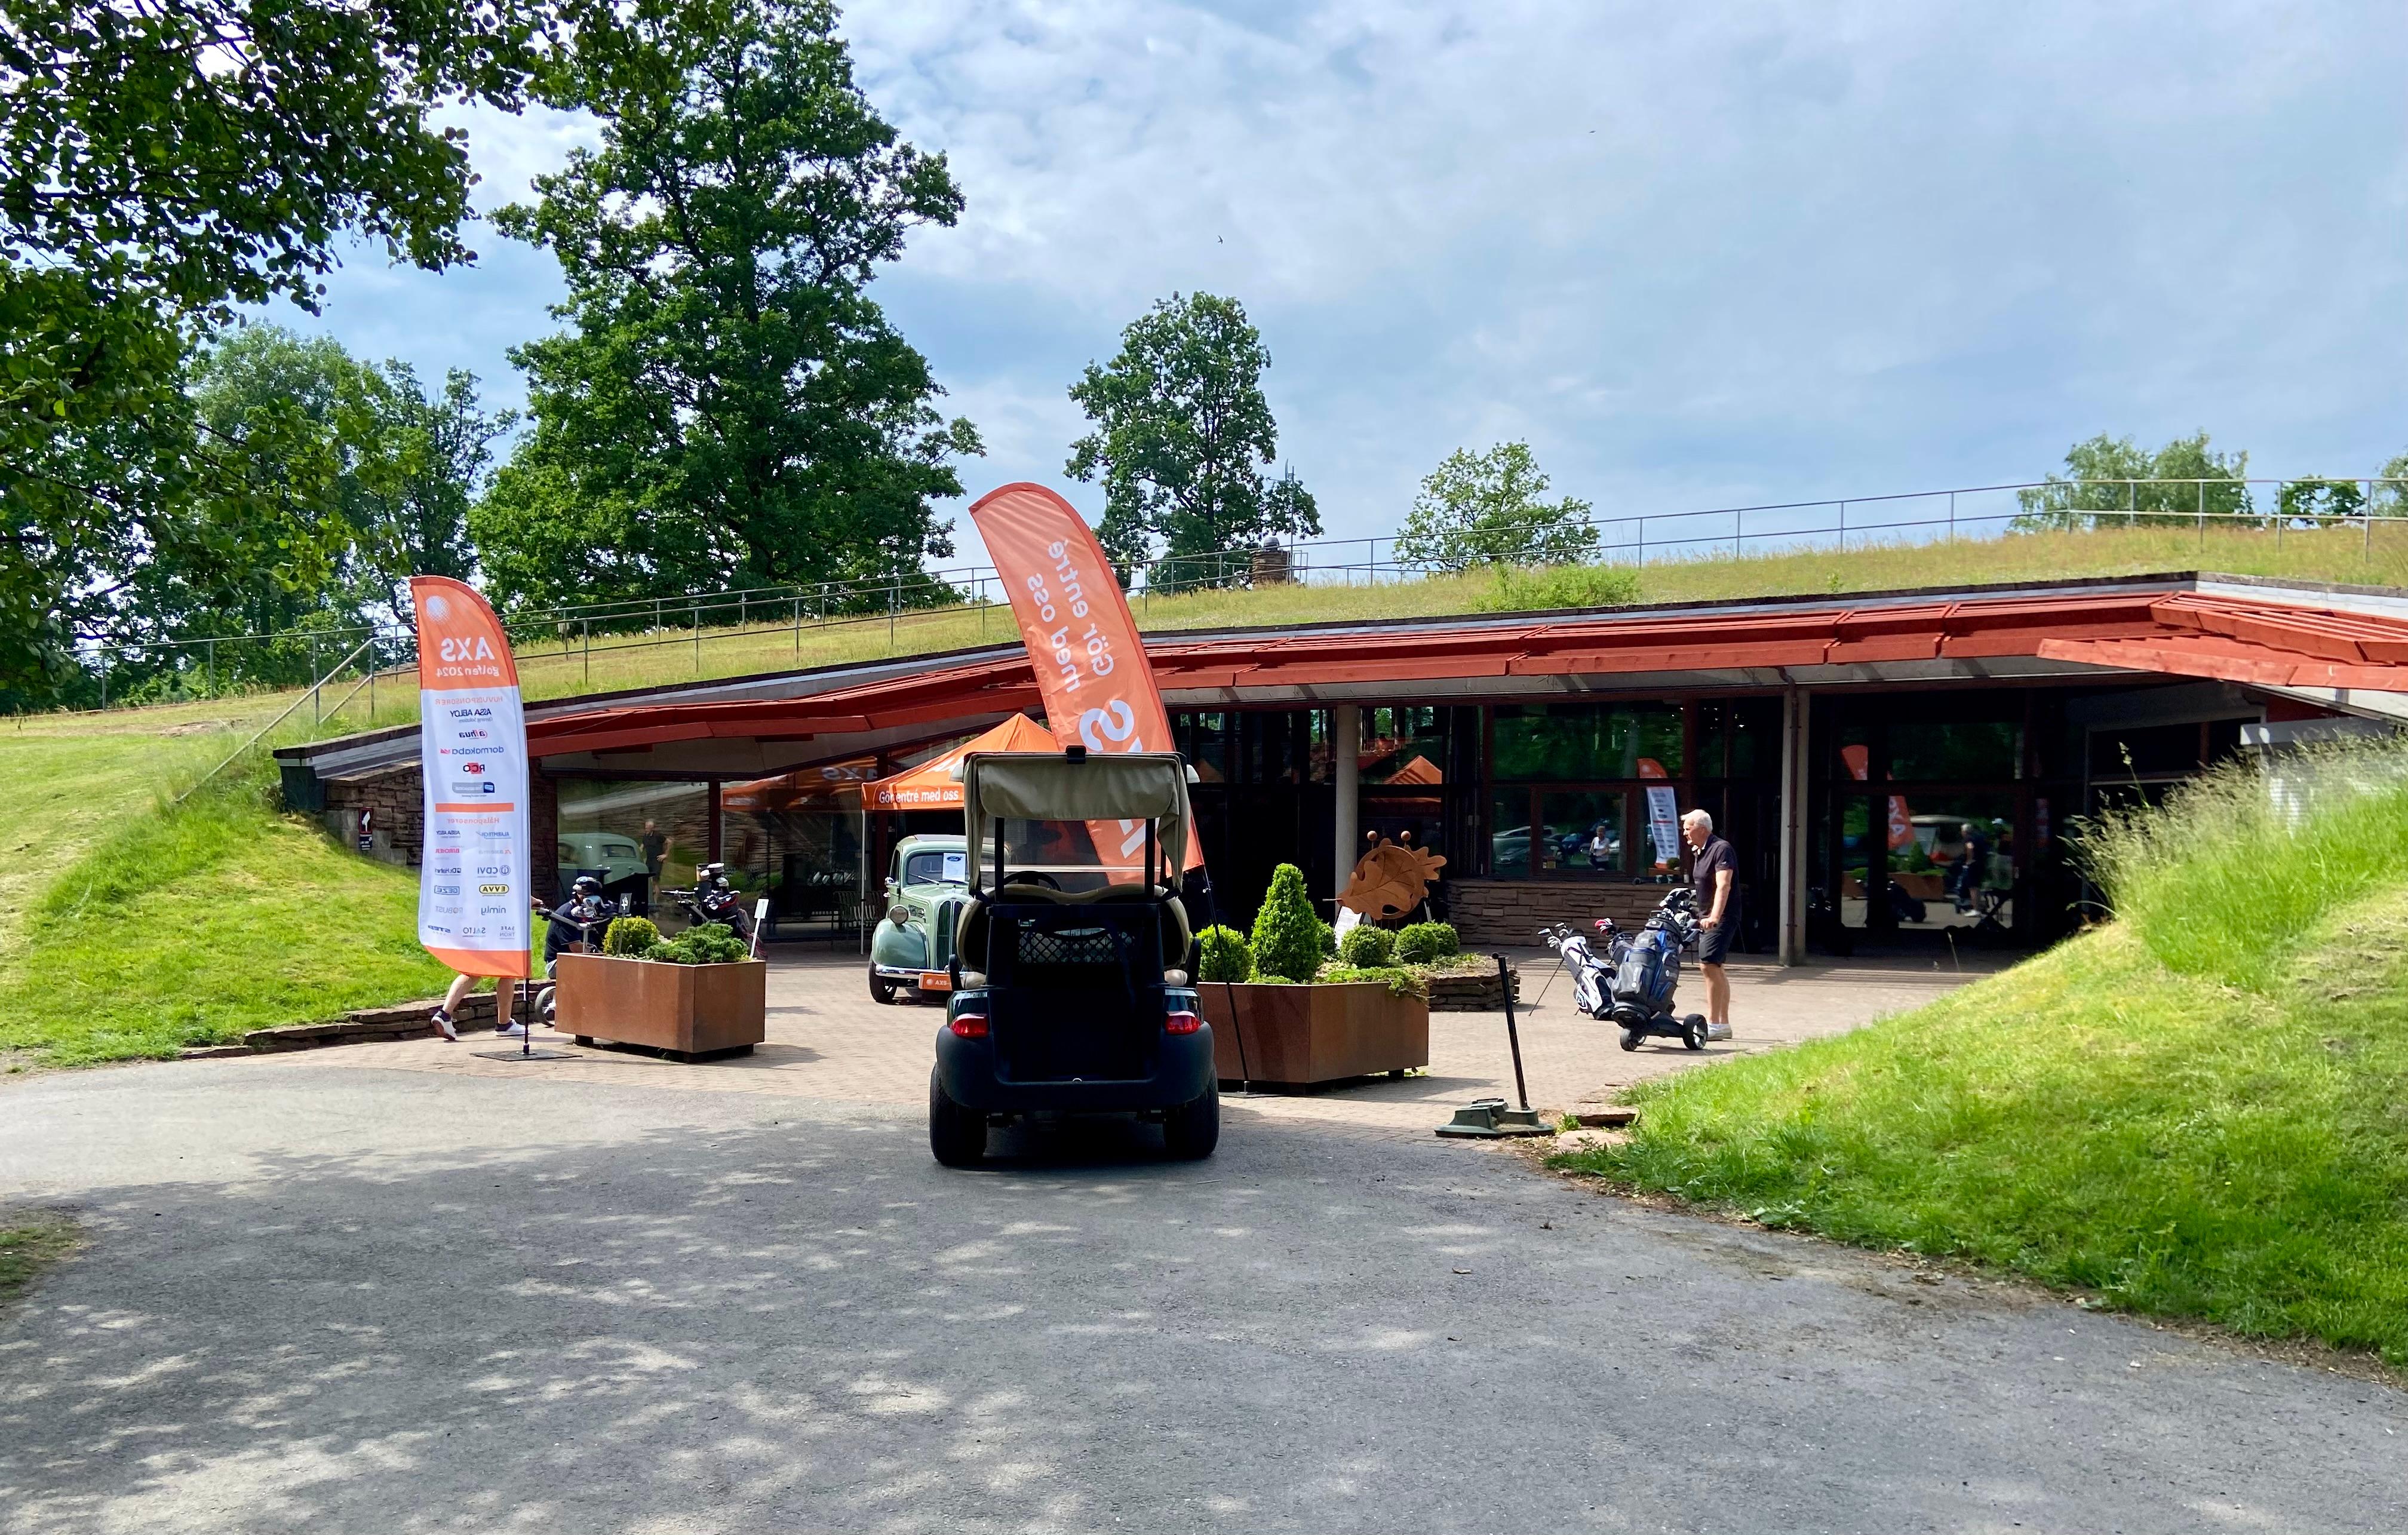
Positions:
(1091, 667)
(474, 881)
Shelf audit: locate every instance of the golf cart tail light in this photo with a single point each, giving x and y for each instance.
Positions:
(969, 1025)
(1180, 1023)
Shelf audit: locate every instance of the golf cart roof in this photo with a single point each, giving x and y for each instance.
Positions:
(1093, 787)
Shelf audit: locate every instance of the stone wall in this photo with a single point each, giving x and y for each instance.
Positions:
(1511, 912)
(400, 824)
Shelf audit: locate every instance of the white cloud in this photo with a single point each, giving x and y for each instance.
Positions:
(1690, 252)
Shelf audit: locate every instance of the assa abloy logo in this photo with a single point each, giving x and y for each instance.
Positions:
(478, 714)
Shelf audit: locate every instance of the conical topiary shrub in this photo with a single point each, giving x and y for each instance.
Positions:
(1287, 936)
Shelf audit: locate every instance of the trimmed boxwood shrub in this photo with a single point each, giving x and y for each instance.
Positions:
(1367, 947)
(713, 943)
(1287, 936)
(1426, 944)
(629, 937)
(1225, 956)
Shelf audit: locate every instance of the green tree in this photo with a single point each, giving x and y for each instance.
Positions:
(2319, 502)
(730, 405)
(2390, 498)
(162, 163)
(2105, 484)
(1486, 508)
(371, 481)
(1182, 437)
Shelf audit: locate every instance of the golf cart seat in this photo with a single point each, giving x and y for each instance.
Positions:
(1177, 935)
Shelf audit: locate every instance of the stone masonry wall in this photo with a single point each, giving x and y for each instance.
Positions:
(1511, 912)
(400, 821)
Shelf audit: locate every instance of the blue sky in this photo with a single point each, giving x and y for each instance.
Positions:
(1695, 255)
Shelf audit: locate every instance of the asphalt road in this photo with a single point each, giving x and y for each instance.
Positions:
(343, 1299)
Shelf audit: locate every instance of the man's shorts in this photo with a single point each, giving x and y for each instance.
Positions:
(1714, 942)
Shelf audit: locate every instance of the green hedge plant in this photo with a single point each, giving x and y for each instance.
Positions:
(1367, 948)
(1426, 944)
(1225, 956)
(629, 937)
(1287, 936)
(713, 943)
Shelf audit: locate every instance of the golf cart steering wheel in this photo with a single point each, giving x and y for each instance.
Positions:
(1031, 876)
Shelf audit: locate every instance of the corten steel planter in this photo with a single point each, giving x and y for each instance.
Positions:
(686, 1009)
(1305, 1036)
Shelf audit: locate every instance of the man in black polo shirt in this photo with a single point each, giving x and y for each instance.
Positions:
(1714, 875)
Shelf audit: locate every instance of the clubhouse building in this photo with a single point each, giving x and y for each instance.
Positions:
(1894, 769)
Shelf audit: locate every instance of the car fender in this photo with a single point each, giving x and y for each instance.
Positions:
(903, 948)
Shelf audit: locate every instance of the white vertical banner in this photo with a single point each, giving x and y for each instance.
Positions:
(1663, 823)
(474, 881)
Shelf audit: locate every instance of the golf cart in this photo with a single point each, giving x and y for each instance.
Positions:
(1070, 993)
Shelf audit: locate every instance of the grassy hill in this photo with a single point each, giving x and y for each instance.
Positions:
(567, 666)
(132, 927)
(2199, 1110)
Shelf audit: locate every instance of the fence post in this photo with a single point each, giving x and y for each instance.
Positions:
(1642, 540)
(1844, 527)
(2366, 527)
(698, 636)
(894, 595)
(799, 622)
(588, 626)
(315, 697)
(1738, 522)
(104, 677)
(2202, 516)
(1952, 517)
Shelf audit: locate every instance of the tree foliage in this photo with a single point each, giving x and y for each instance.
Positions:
(1489, 509)
(358, 477)
(161, 164)
(2101, 485)
(729, 404)
(1182, 440)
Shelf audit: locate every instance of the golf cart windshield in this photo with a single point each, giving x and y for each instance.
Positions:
(1076, 823)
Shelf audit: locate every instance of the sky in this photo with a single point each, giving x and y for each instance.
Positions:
(1695, 255)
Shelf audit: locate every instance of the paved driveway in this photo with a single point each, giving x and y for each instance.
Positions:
(329, 1294)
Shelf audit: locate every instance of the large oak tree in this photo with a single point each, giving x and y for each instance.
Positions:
(730, 406)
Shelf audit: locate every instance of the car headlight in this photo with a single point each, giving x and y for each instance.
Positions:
(899, 916)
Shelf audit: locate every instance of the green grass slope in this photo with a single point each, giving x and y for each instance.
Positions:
(158, 926)
(2199, 1111)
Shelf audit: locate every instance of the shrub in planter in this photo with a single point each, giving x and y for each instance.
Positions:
(1367, 948)
(713, 943)
(1225, 956)
(628, 937)
(1287, 936)
(1426, 944)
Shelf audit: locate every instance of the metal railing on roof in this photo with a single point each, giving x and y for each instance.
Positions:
(202, 666)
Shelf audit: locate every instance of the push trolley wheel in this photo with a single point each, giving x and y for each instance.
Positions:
(1693, 1032)
(1630, 1037)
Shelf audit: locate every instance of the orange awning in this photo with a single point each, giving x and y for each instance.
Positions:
(932, 787)
(835, 786)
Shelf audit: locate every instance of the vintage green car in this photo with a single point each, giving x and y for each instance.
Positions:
(926, 886)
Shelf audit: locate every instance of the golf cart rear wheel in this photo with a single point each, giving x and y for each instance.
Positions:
(1630, 1037)
(1693, 1032)
(957, 1135)
(1190, 1130)
(881, 989)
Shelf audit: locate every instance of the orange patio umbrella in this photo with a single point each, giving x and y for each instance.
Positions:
(932, 787)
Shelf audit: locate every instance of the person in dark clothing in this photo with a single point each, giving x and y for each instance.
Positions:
(1713, 874)
(586, 904)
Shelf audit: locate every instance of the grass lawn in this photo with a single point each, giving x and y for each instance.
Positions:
(2199, 1111)
(566, 668)
(190, 926)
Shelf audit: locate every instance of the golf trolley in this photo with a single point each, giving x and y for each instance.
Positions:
(1632, 985)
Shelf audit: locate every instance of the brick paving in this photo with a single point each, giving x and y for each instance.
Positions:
(828, 1041)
